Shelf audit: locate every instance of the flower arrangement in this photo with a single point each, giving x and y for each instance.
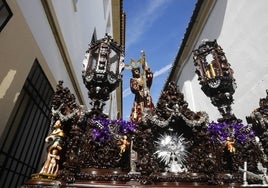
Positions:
(222, 130)
(104, 128)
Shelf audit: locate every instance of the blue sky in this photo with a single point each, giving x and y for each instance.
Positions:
(156, 27)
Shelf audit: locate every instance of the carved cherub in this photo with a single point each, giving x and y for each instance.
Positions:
(123, 143)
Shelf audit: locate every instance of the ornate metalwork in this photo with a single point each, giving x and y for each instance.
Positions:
(172, 105)
(215, 77)
(259, 121)
(262, 175)
(103, 65)
(172, 150)
(259, 117)
(85, 158)
(91, 151)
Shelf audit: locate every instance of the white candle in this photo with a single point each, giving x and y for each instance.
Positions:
(245, 174)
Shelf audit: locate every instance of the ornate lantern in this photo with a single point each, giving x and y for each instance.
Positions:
(215, 76)
(103, 66)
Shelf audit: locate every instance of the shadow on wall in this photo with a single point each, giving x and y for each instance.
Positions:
(211, 31)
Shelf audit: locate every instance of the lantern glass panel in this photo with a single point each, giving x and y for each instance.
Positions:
(92, 61)
(114, 61)
(209, 58)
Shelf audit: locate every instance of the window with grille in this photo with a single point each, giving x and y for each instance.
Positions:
(22, 142)
(5, 14)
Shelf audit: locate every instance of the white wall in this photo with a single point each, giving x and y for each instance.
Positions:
(77, 20)
(39, 26)
(240, 28)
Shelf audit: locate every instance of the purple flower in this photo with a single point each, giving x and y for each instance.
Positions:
(220, 131)
(104, 128)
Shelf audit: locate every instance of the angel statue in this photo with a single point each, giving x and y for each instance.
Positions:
(123, 143)
(140, 85)
(51, 165)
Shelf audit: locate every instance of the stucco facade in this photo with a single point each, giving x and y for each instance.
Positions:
(57, 34)
(240, 29)
(42, 43)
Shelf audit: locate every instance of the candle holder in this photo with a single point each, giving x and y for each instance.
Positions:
(215, 77)
(103, 65)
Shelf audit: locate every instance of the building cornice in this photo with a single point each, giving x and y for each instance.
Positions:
(118, 20)
(198, 19)
(119, 30)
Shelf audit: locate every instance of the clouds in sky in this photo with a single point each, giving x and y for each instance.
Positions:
(155, 26)
(147, 13)
(163, 70)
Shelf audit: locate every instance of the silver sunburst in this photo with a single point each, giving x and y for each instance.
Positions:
(171, 149)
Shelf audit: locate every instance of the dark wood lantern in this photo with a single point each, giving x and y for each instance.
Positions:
(103, 67)
(215, 76)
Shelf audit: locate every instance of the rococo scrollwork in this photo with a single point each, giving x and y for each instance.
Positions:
(160, 145)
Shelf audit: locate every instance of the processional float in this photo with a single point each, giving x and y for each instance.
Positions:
(166, 144)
